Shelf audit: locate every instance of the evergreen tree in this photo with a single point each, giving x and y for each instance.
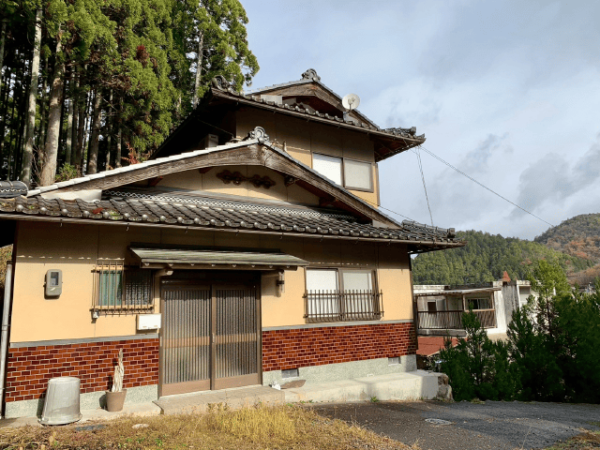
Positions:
(101, 76)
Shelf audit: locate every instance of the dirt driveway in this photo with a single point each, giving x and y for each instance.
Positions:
(492, 425)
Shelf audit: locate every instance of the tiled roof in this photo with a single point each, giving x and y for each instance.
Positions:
(220, 85)
(143, 165)
(310, 76)
(215, 214)
(257, 136)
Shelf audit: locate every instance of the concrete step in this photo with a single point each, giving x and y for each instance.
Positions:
(199, 402)
(418, 385)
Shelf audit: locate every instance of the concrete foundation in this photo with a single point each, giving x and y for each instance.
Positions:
(88, 401)
(344, 371)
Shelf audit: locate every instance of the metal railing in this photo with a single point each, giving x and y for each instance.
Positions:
(340, 306)
(452, 320)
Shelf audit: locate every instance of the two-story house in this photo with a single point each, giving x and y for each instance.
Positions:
(249, 250)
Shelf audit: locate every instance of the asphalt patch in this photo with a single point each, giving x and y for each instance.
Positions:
(474, 426)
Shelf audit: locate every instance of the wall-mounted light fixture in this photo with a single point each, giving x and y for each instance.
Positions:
(280, 282)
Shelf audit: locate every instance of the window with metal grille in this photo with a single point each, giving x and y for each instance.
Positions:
(121, 289)
(342, 295)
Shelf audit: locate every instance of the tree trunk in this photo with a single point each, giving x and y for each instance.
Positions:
(2, 42)
(198, 68)
(95, 137)
(3, 121)
(69, 105)
(54, 111)
(43, 115)
(31, 110)
(87, 132)
(118, 155)
(75, 126)
(81, 133)
(109, 130)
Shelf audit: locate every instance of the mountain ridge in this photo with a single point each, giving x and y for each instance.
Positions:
(574, 244)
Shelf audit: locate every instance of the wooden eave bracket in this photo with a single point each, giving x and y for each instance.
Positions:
(154, 181)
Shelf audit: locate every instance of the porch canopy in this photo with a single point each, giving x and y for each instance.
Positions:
(216, 259)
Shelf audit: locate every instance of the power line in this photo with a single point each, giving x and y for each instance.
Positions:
(483, 186)
(418, 153)
(393, 212)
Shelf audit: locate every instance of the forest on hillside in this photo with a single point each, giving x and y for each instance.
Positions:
(486, 257)
(578, 236)
(88, 85)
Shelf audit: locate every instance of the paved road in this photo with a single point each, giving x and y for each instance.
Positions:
(493, 425)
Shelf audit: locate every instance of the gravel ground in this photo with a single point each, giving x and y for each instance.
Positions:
(492, 425)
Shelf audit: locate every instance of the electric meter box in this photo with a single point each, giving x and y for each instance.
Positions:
(53, 283)
(148, 321)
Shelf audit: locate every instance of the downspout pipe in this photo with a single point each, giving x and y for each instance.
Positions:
(4, 335)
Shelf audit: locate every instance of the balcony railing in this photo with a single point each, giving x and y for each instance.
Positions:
(339, 306)
(452, 320)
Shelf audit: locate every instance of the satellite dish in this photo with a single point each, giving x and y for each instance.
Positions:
(350, 102)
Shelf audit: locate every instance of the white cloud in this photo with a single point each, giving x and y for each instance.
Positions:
(508, 91)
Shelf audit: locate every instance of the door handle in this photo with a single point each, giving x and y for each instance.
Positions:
(213, 338)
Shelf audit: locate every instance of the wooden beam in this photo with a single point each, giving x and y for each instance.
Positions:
(154, 181)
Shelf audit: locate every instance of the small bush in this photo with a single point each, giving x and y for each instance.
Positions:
(67, 172)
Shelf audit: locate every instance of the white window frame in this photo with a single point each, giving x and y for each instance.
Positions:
(344, 182)
(336, 312)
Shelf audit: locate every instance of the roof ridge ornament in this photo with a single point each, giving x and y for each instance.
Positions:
(260, 134)
(221, 83)
(399, 130)
(311, 74)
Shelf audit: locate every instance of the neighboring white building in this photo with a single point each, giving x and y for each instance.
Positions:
(439, 308)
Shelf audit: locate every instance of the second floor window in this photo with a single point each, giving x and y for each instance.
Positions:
(349, 173)
(341, 295)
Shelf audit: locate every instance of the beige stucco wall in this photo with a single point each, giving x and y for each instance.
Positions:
(209, 182)
(75, 249)
(303, 138)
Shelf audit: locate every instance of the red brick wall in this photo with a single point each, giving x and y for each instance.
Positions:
(290, 349)
(30, 368)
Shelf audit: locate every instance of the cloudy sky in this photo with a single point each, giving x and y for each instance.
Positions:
(507, 91)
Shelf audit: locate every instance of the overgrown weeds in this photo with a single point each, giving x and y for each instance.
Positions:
(259, 427)
(585, 441)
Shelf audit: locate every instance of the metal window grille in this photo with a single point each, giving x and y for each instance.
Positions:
(348, 305)
(118, 289)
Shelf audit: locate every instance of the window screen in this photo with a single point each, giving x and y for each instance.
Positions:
(358, 175)
(110, 287)
(321, 280)
(118, 288)
(358, 288)
(328, 166)
(357, 281)
(323, 299)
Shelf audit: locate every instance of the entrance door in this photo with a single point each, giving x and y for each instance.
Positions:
(210, 336)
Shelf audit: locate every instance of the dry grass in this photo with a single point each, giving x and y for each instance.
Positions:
(585, 441)
(284, 427)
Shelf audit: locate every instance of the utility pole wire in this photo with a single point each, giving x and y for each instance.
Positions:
(418, 153)
(483, 186)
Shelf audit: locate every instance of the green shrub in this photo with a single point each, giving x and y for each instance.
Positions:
(552, 352)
